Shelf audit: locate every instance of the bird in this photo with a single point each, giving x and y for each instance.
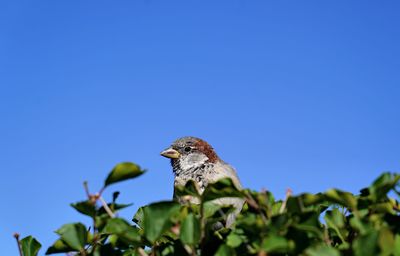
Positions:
(194, 159)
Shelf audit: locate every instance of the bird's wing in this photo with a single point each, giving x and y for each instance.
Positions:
(224, 170)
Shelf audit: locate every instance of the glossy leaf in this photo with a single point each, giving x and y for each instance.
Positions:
(332, 223)
(190, 230)
(138, 217)
(382, 185)
(123, 171)
(234, 240)
(210, 208)
(345, 199)
(222, 188)
(101, 220)
(85, 207)
(123, 230)
(225, 250)
(324, 250)
(157, 218)
(366, 245)
(30, 246)
(59, 246)
(74, 235)
(311, 199)
(275, 243)
(336, 221)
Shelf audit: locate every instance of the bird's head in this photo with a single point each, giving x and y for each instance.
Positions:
(189, 152)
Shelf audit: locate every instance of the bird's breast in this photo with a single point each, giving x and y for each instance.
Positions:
(199, 179)
(202, 176)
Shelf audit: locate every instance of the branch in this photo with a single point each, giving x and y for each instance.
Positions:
(288, 194)
(16, 235)
(108, 210)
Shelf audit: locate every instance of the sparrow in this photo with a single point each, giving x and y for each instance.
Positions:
(194, 159)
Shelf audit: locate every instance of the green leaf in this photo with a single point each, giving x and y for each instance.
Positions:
(310, 199)
(276, 208)
(210, 208)
(190, 230)
(275, 244)
(234, 240)
(340, 197)
(225, 250)
(30, 246)
(336, 221)
(222, 188)
(386, 241)
(101, 220)
(74, 235)
(309, 222)
(123, 230)
(123, 171)
(157, 218)
(294, 205)
(85, 207)
(138, 218)
(382, 185)
(116, 226)
(322, 250)
(366, 245)
(115, 196)
(397, 245)
(386, 207)
(190, 188)
(248, 220)
(59, 246)
(114, 207)
(336, 218)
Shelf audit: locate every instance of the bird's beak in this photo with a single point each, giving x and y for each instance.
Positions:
(170, 153)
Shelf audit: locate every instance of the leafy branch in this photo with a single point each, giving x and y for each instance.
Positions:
(331, 223)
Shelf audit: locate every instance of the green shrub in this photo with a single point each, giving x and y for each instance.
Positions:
(332, 223)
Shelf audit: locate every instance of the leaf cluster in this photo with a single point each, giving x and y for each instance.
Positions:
(331, 223)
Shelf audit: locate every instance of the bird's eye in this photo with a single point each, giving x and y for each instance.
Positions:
(188, 149)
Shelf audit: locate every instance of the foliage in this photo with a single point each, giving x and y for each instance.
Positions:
(332, 223)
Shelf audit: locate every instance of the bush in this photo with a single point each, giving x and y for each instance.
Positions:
(331, 223)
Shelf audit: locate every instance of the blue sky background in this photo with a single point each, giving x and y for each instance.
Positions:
(294, 94)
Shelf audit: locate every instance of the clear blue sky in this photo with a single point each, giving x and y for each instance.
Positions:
(294, 94)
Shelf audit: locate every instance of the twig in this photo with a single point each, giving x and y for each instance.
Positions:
(142, 252)
(327, 240)
(189, 250)
(288, 194)
(83, 252)
(101, 190)
(202, 221)
(250, 200)
(16, 235)
(262, 253)
(108, 210)
(85, 185)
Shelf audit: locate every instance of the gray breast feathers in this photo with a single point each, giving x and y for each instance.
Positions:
(211, 173)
